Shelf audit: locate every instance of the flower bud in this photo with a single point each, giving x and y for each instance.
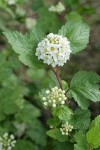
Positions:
(7, 142)
(66, 129)
(54, 97)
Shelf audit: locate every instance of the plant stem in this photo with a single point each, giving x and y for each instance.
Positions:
(57, 76)
(59, 81)
(90, 147)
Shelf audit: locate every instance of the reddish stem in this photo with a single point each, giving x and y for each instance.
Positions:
(59, 81)
(57, 76)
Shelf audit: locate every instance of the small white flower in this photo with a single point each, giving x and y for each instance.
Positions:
(43, 98)
(56, 88)
(66, 133)
(63, 91)
(51, 127)
(61, 129)
(12, 136)
(60, 99)
(54, 50)
(70, 129)
(63, 133)
(9, 148)
(49, 101)
(47, 92)
(54, 100)
(54, 105)
(62, 102)
(5, 135)
(45, 103)
(11, 2)
(57, 8)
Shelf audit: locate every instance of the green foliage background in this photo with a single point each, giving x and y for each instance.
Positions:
(21, 111)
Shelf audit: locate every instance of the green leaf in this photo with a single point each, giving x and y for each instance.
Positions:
(36, 74)
(81, 143)
(2, 131)
(2, 115)
(96, 121)
(74, 16)
(11, 97)
(80, 99)
(64, 113)
(36, 132)
(61, 145)
(56, 134)
(27, 113)
(72, 3)
(25, 46)
(36, 35)
(37, 4)
(48, 21)
(24, 144)
(81, 119)
(54, 122)
(11, 104)
(84, 88)
(54, 81)
(64, 85)
(5, 69)
(77, 33)
(93, 135)
(8, 10)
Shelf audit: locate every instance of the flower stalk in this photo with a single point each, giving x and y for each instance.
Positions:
(57, 76)
(59, 81)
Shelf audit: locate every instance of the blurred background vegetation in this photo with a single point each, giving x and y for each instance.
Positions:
(20, 110)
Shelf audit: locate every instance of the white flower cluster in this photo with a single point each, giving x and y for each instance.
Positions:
(66, 129)
(11, 2)
(7, 142)
(54, 50)
(54, 97)
(57, 8)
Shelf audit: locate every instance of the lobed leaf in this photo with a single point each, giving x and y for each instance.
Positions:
(56, 134)
(81, 143)
(54, 122)
(25, 144)
(64, 113)
(84, 88)
(25, 46)
(93, 135)
(81, 119)
(77, 33)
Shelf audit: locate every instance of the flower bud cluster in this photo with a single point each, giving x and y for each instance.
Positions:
(54, 97)
(66, 129)
(54, 50)
(57, 8)
(7, 142)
